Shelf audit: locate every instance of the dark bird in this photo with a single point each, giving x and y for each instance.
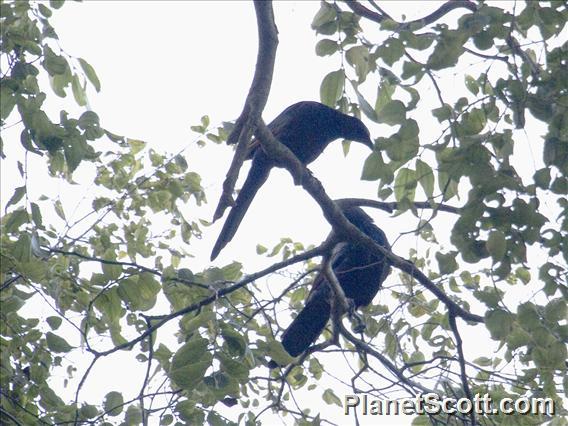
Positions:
(360, 274)
(306, 128)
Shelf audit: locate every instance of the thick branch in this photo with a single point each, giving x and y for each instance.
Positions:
(345, 229)
(256, 99)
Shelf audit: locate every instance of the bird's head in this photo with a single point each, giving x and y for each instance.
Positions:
(355, 130)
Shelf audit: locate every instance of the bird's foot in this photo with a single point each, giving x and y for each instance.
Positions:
(358, 322)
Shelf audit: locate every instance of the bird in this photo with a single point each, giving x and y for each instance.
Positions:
(360, 274)
(306, 128)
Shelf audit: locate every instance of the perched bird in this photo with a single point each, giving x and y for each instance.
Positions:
(306, 128)
(360, 274)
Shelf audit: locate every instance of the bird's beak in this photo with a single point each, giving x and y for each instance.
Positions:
(368, 143)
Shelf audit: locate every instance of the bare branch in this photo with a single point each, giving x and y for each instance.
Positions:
(462, 362)
(447, 7)
(256, 99)
(392, 206)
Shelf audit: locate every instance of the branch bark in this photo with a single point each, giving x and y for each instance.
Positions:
(345, 229)
(447, 7)
(392, 206)
(256, 99)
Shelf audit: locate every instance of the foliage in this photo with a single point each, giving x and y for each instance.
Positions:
(113, 278)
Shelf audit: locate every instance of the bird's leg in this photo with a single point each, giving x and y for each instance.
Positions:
(358, 322)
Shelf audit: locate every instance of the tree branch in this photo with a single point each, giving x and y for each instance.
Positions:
(256, 99)
(462, 362)
(359, 344)
(339, 222)
(160, 320)
(361, 10)
(392, 206)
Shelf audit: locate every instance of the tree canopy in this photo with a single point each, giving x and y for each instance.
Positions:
(479, 307)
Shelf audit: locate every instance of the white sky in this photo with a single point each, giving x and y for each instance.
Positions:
(165, 64)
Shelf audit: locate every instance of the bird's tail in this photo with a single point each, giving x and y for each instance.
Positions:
(256, 177)
(306, 327)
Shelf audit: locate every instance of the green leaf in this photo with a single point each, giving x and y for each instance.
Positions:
(384, 96)
(499, 323)
(421, 420)
(78, 91)
(391, 51)
(140, 292)
(236, 369)
(443, 113)
(483, 361)
(56, 343)
(411, 69)
(59, 209)
(136, 145)
(555, 310)
(91, 74)
(44, 10)
(392, 113)
(425, 177)
(542, 178)
(448, 49)
(552, 356)
(473, 122)
(330, 398)
(36, 215)
(331, 87)
(88, 411)
(277, 353)
(56, 4)
(54, 64)
(366, 107)
(113, 403)
(17, 196)
(358, 56)
(374, 167)
(7, 102)
(190, 363)
(405, 184)
(49, 399)
(54, 322)
(59, 82)
(12, 304)
(325, 15)
(523, 274)
(89, 119)
(75, 150)
(496, 245)
(416, 357)
(22, 249)
(235, 340)
(447, 262)
(326, 47)
(191, 323)
(471, 84)
(13, 220)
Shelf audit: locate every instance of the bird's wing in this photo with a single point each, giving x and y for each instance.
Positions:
(286, 121)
